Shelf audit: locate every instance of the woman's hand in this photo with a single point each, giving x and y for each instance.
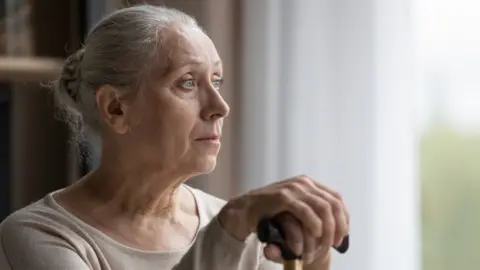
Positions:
(313, 217)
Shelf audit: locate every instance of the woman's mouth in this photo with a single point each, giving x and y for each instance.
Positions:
(210, 137)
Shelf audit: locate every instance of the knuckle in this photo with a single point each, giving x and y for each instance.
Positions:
(284, 195)
(320, 226)
(303, 180)
(296, 187)
(337, 195)
(303, 211)
(325, 207)
(336, 205)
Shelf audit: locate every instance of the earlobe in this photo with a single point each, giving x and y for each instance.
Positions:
(111, 109)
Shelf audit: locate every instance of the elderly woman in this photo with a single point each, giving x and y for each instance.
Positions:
(148, 83)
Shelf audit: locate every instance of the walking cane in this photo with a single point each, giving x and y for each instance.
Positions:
(269, 231)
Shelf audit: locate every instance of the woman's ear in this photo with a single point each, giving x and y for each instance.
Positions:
(113, 112)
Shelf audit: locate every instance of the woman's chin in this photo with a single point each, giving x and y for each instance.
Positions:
(206, 164)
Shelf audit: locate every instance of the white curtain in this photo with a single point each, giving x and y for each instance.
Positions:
(327, 90)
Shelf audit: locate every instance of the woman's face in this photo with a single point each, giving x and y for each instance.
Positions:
(176, 123)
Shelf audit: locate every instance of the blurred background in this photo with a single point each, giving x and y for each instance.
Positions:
(379, 99)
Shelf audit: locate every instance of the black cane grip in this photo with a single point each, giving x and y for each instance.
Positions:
(343, 248)
(269, 231)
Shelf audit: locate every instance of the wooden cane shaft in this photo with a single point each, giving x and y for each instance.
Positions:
(293, 265)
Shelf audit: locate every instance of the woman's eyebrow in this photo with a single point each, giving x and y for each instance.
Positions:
(196, 62)
(173, 66)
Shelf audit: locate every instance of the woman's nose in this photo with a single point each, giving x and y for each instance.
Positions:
(214, 107)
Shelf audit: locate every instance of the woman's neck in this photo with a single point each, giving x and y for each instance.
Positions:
(128, 184)
(147, 217)
(133, 194)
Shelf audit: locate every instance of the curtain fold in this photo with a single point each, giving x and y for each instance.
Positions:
(329, 91)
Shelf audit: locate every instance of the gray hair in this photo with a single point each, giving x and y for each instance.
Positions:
(118, 51)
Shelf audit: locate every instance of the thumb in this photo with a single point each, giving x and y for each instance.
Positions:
(273, 253)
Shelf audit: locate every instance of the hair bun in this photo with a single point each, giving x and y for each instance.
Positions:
(71, 76)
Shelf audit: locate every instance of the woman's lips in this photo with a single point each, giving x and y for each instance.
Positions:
(212, 137)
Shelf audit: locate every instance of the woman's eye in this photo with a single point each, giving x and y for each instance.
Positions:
(217, 83)
(188, 84)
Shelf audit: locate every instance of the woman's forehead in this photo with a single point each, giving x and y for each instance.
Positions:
(190, 46)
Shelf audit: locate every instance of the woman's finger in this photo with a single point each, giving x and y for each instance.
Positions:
(313, 199)
(304, 212)
(339, 210)
(341, 225)
(272, 253)
(309, 246)
(328, 221)
(293, 231)
(298, 239)
(336, 195)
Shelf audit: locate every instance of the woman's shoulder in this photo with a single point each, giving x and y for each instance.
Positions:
(43, 211)
(36, 212)
(39, 229)
(35, 220)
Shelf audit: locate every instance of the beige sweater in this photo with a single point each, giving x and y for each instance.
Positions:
(45, 236)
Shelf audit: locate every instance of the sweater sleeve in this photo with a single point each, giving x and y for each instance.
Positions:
(215, 249)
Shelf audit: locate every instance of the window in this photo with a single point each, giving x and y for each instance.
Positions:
(448, 50)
